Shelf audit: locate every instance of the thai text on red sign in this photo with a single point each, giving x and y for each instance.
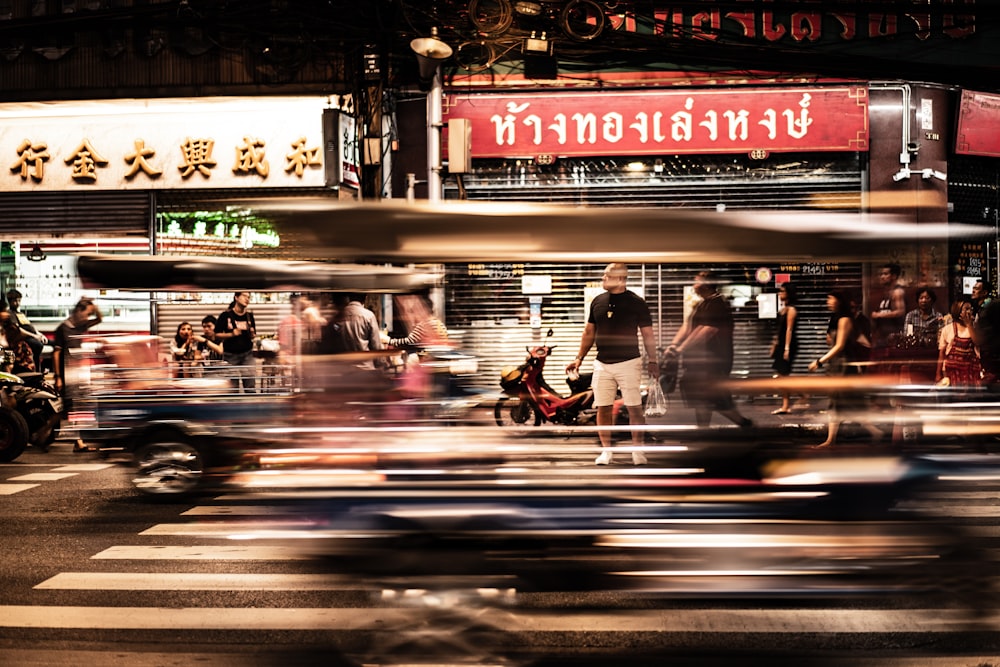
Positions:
(665, 122)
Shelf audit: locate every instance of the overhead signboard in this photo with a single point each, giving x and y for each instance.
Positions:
(978, 119)
(740, 120)
(162, 144)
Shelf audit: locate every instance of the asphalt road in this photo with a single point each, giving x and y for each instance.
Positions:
(94, 574)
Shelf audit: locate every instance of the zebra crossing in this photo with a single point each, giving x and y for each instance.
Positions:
(19, 483)
(220, 541)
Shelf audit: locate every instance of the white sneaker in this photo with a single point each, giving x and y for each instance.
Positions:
(639, 459)
(604, 459)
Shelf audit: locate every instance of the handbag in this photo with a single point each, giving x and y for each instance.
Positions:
(656, 401)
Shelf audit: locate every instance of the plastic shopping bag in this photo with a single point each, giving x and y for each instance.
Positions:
(656, 400)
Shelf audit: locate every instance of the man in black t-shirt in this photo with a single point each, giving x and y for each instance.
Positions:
(615, 317)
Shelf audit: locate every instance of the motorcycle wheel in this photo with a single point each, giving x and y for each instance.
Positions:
(43, 423)
(13, 434)
(168, 467)
(513, 412)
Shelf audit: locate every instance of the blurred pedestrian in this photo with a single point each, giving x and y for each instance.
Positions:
(185, 352)
(209, 346)
(615, 316)
(423, 328)
(300, 331)
(356, 329)
(67, 340)
(705, 344)
(236, 328)
(17, 357)
(841, 360)
(958, 354)
(921, 329)
(33, 337)
(785, 346)
(980, 296)
(888, 317)
(987, 336)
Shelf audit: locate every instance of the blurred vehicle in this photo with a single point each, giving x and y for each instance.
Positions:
(30, 415)
(435, 385)
(460, 507)
(531, 401)
(412, 509)
(186, 433)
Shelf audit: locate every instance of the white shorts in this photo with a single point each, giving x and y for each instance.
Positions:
(609, 378)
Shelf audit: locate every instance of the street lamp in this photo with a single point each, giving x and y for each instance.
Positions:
(431, 52)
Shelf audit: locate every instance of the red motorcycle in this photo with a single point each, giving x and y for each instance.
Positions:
(530, 400)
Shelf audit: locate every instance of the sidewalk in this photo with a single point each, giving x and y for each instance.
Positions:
(799, 426)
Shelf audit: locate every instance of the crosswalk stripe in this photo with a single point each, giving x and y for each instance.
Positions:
(962, 495)
(191, 581)
(43, 476)
(245, 510)
(205, 552)
(11, 489)
(82, 467)
(971, 511)
(287, 530)
(781, 621)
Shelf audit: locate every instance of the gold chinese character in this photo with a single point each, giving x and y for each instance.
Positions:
(137, 160)
(250, 156)
(197, 156)
(85, 161)
(302, 157)
(31, 160)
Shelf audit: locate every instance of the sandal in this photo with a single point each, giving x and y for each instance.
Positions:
(780, 411)
(81, 447)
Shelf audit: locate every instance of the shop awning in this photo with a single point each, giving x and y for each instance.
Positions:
(513, 232)
(173, 273)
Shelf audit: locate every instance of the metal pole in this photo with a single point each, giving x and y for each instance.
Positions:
(434, 121)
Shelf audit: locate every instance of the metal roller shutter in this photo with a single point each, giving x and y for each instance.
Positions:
(37, 216)
(489, 314)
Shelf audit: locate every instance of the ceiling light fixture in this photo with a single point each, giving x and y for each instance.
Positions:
(36, 254)
(528, 8)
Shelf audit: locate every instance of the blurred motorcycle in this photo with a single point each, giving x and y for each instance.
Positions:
(36, 402)
(531, 400)
(29, 414)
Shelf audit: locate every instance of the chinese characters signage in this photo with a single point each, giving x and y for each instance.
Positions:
(215, 143)
(978, 117)
(666, 122)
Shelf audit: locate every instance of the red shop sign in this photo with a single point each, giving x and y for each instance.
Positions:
(665, 122)
(978, 117)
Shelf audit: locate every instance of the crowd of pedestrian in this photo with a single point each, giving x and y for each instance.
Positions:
(959, 348)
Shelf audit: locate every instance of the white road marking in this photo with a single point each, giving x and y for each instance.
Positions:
(21, 465)
(234, 529)
(43, 476)
(779, 621)
(206, 552)
(190, 581)
(82, 467)
(11, 489)
(244, 510)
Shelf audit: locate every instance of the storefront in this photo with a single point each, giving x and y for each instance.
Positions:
(722, 149)
(154, 177)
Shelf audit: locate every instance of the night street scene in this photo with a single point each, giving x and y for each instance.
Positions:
(500, 333)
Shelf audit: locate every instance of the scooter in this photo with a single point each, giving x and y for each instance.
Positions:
(38, 405)
(530, 400)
